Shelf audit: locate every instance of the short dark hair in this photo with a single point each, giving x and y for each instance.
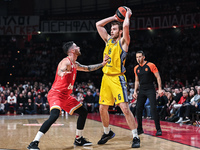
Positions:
(117, 23)
(67, 46)
(141, 52)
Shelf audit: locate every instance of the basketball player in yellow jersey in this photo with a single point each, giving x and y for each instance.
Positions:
(113, 85)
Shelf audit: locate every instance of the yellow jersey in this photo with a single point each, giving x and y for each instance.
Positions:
(117, 58)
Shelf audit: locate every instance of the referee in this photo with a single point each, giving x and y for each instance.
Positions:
(144, 76)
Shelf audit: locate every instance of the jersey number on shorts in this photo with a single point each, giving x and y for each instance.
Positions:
(70, 87)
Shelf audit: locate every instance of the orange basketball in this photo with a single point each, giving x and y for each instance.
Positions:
(121, 13)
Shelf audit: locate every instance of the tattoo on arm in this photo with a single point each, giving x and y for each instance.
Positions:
(89, 67)
(94, 67)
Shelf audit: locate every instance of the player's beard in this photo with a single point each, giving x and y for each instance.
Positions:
(115, 36)
(78, 52)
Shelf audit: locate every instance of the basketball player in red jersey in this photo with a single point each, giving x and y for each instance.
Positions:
(59, 96)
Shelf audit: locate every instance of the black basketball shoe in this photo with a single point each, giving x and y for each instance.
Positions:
(136, 142)
(106, 137)
(82, 142)
(33, 145)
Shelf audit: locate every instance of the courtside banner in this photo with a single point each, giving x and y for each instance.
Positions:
(64, 26)
(19, 25)
(165, 21)
(137, 23)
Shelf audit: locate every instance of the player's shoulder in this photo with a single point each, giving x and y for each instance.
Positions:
(136, 66)
(109, 39)
(66, 60)
(150, 63)
(152, 66)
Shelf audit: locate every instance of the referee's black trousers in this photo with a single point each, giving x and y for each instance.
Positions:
(142, 97)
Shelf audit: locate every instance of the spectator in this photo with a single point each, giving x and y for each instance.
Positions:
(147, 109)
(2, 103)
(29, 107)
(89, 101)
(191, 107)
(132, 106)
(131, 89)
(130, 97)
(96, 91)
(1, 88)
(11, 102)
(29, 95)
(161, 101)
(196, 96)
(177, 95)
(80, 97)
(45, 105)
(165, 111)
(175, 111)
(176, 106)
(39, 104)
(96, 102)
(20, 103)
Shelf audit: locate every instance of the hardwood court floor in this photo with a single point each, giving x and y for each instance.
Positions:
(16, 132)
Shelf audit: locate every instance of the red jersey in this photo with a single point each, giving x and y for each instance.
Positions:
(65, 84)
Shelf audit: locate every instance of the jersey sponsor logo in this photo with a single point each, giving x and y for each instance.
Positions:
(70, 87)
(138, 71)
(108, 66)
(146, 69)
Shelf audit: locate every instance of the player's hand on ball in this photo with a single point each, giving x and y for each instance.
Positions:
(115, 17)
(129, 12)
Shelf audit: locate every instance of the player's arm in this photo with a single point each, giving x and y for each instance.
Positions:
(155, 71)
(136, 87)
(126, 24)
(101, 29)
(160, 91)
(157, 75)
(88, 68)
(136, 84)
(64, 67)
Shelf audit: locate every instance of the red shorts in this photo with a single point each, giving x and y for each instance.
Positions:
(60, 101)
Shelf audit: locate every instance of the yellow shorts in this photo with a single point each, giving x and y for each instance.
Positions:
(113, 90)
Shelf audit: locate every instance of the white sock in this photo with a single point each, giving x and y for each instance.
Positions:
(134, 132)
(79, 133)
(181, 118)
(106, 129)
(38, 136)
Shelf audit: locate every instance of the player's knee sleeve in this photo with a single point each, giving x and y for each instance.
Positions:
(82, 117)
(81, 111)
(53, 117)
